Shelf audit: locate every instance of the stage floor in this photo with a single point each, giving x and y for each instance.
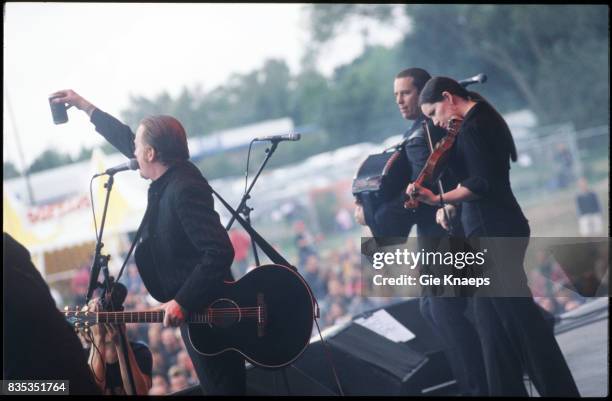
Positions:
(583, 338)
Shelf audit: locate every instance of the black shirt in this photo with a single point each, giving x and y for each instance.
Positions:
(480, 160)
(184, 253)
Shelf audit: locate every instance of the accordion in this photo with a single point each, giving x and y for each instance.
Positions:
(380, 178)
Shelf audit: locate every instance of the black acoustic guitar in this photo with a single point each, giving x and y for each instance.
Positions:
(266, 316)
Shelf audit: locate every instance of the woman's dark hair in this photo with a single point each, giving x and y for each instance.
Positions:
(432, 91)
(167, 136)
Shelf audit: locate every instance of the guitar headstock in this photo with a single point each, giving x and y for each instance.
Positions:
(80, 318)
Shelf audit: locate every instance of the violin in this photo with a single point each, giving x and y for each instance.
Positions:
(437, 160)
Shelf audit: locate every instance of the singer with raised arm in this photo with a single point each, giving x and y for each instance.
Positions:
(185, 254)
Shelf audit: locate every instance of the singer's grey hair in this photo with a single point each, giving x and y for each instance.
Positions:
(167, 136)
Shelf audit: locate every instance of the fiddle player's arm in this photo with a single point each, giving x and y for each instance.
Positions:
(478, 181)
(454, 197)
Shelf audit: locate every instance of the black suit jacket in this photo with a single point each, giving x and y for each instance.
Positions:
(184, 253)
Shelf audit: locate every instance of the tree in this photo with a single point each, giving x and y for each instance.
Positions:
(361, 106)
(325, 20)
(9, 171)
(50, 158)
(84, 154)
(308, 99)
(552, 59)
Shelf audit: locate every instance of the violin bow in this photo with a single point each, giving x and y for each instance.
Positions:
(440, 187)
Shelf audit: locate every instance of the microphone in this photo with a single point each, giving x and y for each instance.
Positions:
(118, 295)
(131, 164)
(278, 138)
(477, 79)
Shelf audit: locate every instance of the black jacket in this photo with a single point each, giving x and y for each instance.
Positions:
(480, 160)
(184, 253)
(39, 344)
(392, 219)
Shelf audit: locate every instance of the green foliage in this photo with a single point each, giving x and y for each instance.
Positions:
(309, 98)
(551, 59)
(361, 106)
(243, 99)
(9, 171)
(84, 154)
(327, 19)
(50, 158)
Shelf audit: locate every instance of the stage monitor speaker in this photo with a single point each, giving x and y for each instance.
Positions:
(366, 362)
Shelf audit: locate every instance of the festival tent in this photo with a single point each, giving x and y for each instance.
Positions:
(59, 229)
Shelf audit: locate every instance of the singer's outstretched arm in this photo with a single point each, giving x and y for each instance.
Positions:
(114, 131)
(118, 134)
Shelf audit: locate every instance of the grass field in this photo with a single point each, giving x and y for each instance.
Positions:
(555, 215)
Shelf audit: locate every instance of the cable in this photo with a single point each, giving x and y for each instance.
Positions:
(93, 211)
(246, 173)
(331, 362)
(90, 337)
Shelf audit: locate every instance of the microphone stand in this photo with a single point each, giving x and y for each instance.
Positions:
(242, 206)
(100, 262)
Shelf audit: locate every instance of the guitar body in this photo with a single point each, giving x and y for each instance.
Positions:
(266, 316)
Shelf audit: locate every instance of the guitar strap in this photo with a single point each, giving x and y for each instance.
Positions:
(262, 243)
(274, 256)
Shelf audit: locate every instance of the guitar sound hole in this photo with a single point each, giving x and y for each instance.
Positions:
(223, 313)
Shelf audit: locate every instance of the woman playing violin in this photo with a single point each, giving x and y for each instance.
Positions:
(513, 334)
(480, 160)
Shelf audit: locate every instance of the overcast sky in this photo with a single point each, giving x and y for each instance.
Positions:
(107, 52)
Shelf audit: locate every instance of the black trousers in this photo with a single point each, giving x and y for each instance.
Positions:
(514, 334)
(223, 374)
(516, 339)
(447, 316)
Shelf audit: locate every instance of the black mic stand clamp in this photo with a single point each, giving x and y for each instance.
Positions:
(245, 210)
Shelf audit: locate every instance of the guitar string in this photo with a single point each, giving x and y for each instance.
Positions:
(216, 313)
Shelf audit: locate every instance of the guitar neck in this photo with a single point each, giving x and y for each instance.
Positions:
(145, 317)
